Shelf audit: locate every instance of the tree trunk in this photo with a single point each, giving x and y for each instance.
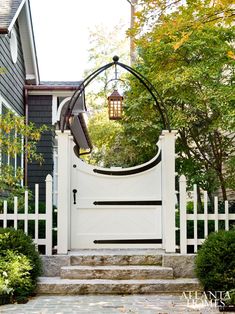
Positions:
(222, 184)
(199, 200)
(132, 44)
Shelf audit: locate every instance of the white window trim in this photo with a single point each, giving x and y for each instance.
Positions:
(4, 103)
(7, 105)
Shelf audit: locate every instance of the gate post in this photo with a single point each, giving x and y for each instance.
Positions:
(63, 224)
(168, 189)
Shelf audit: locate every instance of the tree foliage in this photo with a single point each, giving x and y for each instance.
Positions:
(16, 138)
(106, 135)
(186, 50)
(181, 18)
(104, 44)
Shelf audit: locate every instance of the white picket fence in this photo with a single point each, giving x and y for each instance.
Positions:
(26, 217)
(195, 217)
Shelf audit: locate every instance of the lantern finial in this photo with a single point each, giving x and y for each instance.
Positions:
(115, 58)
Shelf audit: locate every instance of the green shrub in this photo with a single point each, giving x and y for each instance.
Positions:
(215, 261)
(18, 242)
(15, 274)
(5, 287)
(230, 297)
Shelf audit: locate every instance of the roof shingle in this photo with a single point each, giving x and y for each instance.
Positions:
(8, 10)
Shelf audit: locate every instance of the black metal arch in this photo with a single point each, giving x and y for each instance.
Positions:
(151, 89)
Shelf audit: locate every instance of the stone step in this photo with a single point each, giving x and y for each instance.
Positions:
(116, 272)
(116, 259)
(56, 285)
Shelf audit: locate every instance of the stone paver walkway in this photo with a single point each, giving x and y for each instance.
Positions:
(102, 304)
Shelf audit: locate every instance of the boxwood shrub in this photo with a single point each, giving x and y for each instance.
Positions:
(17, 243)
(15, 271)
(215, 261)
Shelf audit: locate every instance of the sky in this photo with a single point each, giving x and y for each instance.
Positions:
(61, 30)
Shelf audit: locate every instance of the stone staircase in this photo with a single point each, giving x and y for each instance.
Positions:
(116, 272)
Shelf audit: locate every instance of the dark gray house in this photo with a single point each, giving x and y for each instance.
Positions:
(21, 90)
(18, 59)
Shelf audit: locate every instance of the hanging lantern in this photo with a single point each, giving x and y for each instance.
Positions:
(115, 105)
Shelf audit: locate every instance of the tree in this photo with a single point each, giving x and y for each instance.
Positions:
(13, 132)
(104, 44)
(102, 131)
(182, 17)
(187, 52)
(133, 4)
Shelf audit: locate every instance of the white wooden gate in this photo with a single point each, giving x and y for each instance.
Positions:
(116, 207)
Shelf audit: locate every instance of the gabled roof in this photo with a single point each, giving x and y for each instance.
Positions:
(9, 11)
(19, 10)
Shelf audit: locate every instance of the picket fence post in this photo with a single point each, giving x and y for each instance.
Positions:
(216, 217)
(183, 214)
(226, 216)
(36, 217)
(205, 214)
(4, 214)
(195, 201)
(49, 213)
(26, 211)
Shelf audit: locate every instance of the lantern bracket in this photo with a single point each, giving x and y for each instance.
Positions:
(159, 104)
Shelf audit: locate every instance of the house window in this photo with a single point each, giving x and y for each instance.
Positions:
(13, 46)
(16, 161)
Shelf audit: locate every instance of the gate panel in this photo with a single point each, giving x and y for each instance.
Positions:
(116, 208)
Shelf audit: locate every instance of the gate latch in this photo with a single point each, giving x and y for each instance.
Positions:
(74, 196)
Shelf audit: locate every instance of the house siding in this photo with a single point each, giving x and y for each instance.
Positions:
(13, 79)
(40, 112)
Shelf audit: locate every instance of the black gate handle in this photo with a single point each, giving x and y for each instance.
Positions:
(74, 196)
